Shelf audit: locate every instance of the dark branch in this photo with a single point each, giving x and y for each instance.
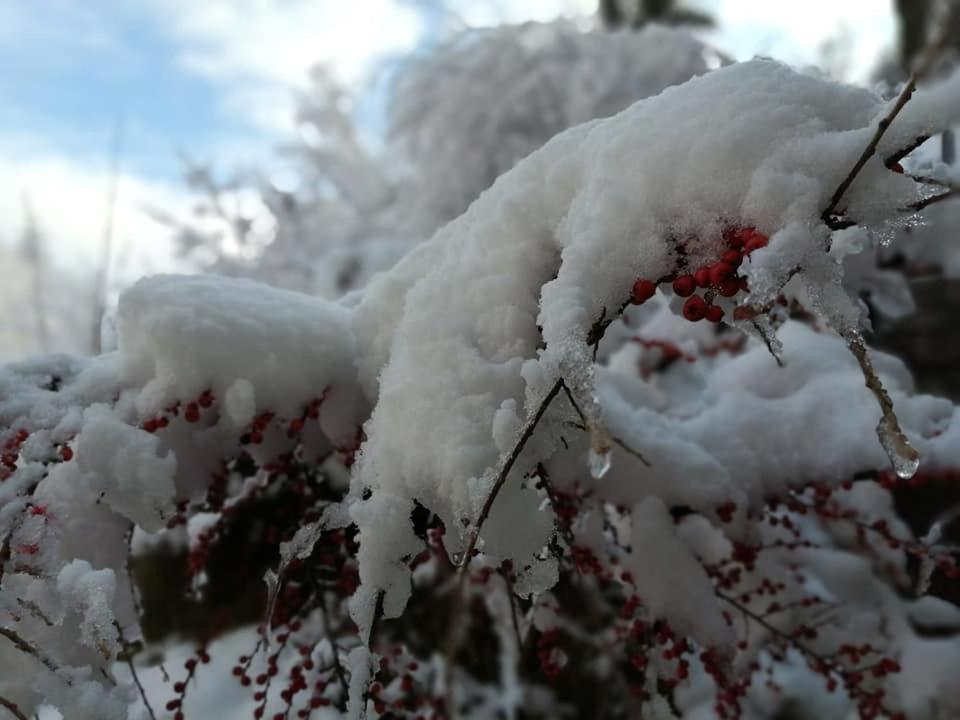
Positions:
(12, 708)
(930, 55)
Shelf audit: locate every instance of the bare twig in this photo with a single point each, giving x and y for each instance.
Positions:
(337, 665)
(929, 57)
(768, 341)
(933, 199)
(128, 656)
(25, 647)
(585, 426)
(474, 535)
(11, 707)
(903, 456)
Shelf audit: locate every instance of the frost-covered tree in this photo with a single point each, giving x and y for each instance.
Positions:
(608, 444)
(459, 116)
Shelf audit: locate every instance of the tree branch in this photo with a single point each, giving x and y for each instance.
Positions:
(932, 200)
(25, 647)
(128, 656)
(12, 708)
(929, 57)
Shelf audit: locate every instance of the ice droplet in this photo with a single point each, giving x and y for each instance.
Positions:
(599, 463)
(600, 457)
(903, 456)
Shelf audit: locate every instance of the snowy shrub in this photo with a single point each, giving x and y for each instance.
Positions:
(609, 444)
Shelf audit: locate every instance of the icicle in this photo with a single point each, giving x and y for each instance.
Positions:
(903, 456)
(599, 463)
(599, 458)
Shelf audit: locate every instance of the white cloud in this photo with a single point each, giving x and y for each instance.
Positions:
(260, 50)
(70, 202)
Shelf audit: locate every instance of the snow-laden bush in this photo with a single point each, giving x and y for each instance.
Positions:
(547, 419)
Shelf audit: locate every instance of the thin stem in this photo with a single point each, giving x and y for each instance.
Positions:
(932, 200)
(25, 647)
(929, 57)
(128, 655)
(452, 641)
(585, 427)
(11, 707)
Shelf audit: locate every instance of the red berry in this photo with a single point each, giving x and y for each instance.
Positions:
(192, 413)
(695, 308)
(897, 168)
(754, 242)
(734, 237)
(733, 258)
(66, 453)
(702, 276)
(684, 285)
(728, 287)
(643, 290)
(714, 313)
(720, 272)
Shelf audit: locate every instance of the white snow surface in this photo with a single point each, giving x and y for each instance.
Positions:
(456, 348)
(499, 303)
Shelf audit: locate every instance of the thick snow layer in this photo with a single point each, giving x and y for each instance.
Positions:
(457, 348)
(181, 335)
(500, 302)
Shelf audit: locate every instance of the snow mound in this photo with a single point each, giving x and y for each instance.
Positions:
(500, 303)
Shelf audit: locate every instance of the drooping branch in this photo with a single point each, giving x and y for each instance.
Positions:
(903, 456)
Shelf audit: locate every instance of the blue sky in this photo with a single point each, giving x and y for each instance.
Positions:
(215, 79)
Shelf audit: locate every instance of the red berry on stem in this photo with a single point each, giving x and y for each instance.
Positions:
(643, 290)
(714, 313)
(734, 237)
(192, 413)
(695, 308)
(684, 285)
(66, 453)
(720, 272)
(702, 276)
(728, 287)
(733, 258)
(754, 242)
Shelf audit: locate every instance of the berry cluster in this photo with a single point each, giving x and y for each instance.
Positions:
(716, 279)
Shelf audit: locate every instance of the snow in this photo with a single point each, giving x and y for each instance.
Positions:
(181, 335)
(123, 465)
(499, 303)
(458, 349)
(687, 597)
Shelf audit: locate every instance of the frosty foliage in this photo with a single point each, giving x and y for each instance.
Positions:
(469, 368)
(459, 116)
(466, 112)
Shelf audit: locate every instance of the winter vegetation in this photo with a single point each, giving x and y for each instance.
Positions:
(560, 404)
